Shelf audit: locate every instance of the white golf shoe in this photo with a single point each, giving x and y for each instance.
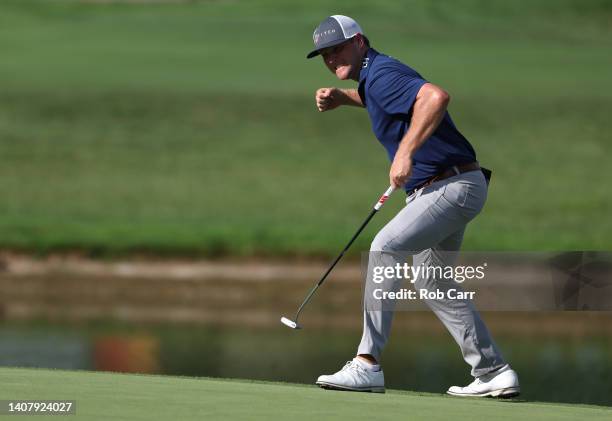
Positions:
(502, 383)
(354, 376)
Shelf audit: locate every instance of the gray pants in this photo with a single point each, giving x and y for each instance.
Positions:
(432, 222)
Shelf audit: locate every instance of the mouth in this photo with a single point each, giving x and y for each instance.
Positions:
(342, 71)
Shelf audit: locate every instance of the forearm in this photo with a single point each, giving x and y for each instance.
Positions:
(350, 97)
(428, 112)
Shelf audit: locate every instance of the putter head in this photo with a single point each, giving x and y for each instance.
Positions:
(290, 323)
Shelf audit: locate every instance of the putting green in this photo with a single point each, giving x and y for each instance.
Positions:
(106, 396)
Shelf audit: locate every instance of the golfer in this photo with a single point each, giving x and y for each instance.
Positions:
(436, 165)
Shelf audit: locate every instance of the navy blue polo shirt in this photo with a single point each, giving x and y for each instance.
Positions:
(388, 89)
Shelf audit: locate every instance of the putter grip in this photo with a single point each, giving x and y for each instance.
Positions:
(383, 198)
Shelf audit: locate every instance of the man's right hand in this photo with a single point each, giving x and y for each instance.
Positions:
(328, 98)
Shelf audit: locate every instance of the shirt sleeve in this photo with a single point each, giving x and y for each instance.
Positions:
(395, 90)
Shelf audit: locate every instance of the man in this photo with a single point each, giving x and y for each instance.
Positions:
(446, 188)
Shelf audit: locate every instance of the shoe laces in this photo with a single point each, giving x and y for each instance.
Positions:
(476, 382)
(354, 366)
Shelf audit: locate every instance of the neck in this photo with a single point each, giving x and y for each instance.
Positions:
(357, 69)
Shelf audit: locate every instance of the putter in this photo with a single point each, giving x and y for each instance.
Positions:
(293, 324)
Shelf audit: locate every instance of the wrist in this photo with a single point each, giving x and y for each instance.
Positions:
(343, 96)
(406, 153)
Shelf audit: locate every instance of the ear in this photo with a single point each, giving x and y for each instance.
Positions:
(360, 41)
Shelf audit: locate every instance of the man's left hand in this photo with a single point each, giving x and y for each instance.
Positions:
(400, 171)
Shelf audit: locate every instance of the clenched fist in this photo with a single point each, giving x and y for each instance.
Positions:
(328, 98)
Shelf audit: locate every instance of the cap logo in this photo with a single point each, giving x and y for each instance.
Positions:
(318, 35)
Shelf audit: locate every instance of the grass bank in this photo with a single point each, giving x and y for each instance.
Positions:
(190, 127)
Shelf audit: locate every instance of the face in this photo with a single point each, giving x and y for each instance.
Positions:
(344, 60)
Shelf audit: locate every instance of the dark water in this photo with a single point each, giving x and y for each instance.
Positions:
(562, 369)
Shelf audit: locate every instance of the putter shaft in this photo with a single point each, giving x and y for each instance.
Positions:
(375, 209)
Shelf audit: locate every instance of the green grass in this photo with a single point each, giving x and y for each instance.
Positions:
(106, 396)
(190, 128)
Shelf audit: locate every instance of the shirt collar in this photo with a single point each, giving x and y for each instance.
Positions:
(366, 64)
